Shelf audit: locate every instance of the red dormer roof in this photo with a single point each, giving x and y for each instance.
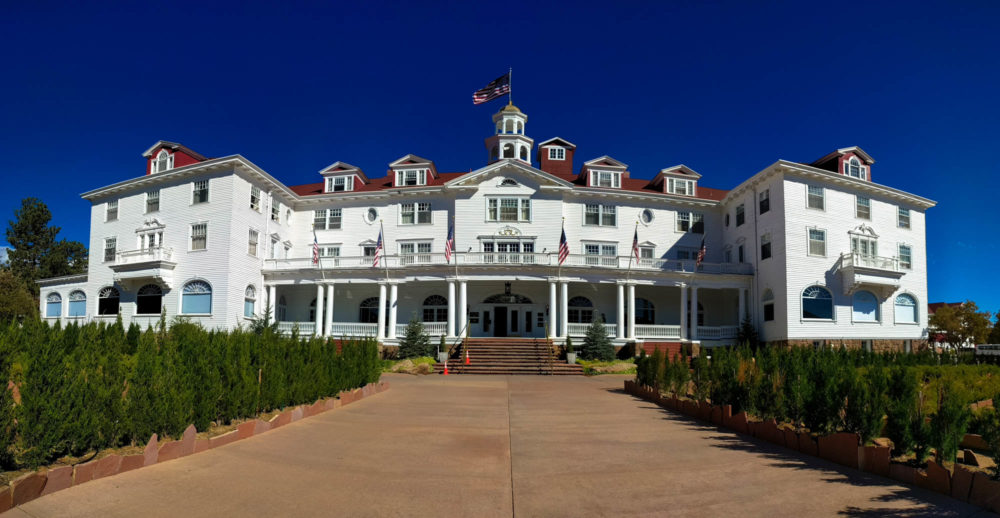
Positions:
(182, 155)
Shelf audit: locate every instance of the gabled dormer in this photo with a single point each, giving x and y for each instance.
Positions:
(411, 171)
(679, 180)
(849, 161)
(341, 176)
(555, 156)
(604, 172)
(164, 156)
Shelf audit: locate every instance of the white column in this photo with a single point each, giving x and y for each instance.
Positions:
(463, 306)
(553, 327)
(564, 308)
(450, 331)
(631, 310)
(743, 307)
(694, 312)
(684, 312)
(620, 320)
(380, 333)
(272, 301)
(319, 310)
(329, 310)
(393, 307)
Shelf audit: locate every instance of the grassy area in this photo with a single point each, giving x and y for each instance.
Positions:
(595, 367)
(395, 365)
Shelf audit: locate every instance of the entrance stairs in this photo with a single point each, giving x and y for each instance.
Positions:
(509, 356)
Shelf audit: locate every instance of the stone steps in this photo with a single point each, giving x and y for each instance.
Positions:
(508, 356)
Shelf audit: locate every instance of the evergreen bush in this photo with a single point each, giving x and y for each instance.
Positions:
(415, 342)
(680, 376)
(596, 344)
(948, 425)
(902, 408)
(866, 404)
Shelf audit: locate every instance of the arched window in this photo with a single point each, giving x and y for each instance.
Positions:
(77, 304)
(196, 298)
(435, 309)
(282, 310)
(768, 300)
(508, 150)
(164, 161)
(645, 312)
(249, 301)
(508, 126)
(369, 311)
(580, 311)
(108, 300)
(149, 300)
(817, 303)
(495, 153)
(906, 309)
(524, 153)
(865, 307)
(854, 168)
(53, 305)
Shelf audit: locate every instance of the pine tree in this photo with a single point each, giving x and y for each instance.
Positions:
(35, 253)
(416, 342)
(596, 344)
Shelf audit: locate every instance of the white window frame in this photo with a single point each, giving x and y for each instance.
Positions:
(764, 196)
(606, 179)
(253, 243)
(420, 177)
(858, 205)
(864, 246)
(900, 211)
(521, 207)
(191, 236)
(809, 241)
(416, 251)
(111, 210)
(153, 196)
(810, 195)
(421, 212)
(275, 210)
(692, 219)
(909, 254)
(557, 153)
(255, 198)
(195, 190)
(603, 212)
(113, 241)
(346, 181)
(164, 161)
(681, 187)
(765, 239)
(607, 253)
(741, 215)
(862, 173)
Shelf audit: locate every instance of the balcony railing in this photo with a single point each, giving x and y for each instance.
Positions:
(581, 329)
(143, 255)
(717, 332)
(874, 262)
(651, 331)
(431, 328)
(512, 258)
(305, 328)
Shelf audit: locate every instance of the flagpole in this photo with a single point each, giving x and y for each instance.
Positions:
(562, 231)
(319, 258)
(510, 85)
(454, 245)
(385, 256)
(628, 275)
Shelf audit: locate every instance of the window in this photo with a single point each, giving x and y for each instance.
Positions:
(324, 219)
(319, 219)
(580, 310)
(557, 153)
(768, 300)
(164, 161)
(814, 198)
(906, 309)
(77, 304)
(646, 254)
(863, 208)
(435, 309)
(693, 222)
(274, 248)
(416, 176)
(740, 215)
(817, 303)
(199, 236)
(508, 209)
(727, 219)
(149, 300)
(255, 198)
(252, 243)
(108, 300)
(683, 221)
(681, 187)
(605, 179)
(249, 301)
(687, 254)
(903, 218)
(765, 201)
(645, 312)
(340, 183)
(368, 311)
(864, 246)
(854, 168)
(152, 201)
(110, 248)
(200, 192)
(415, 213)
(603, 215)
(817, 242)
(765, 246)
(728, 254)
(646, 216)
(905, 257)
(53, 305)
(111, 213)
(418, 252)
(601, 254)
(864, 307)
(329, 251)
(275, 210)
(196, 298)
(739, 251)
(508, 182)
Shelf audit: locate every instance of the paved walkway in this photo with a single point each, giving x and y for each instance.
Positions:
(496, 446)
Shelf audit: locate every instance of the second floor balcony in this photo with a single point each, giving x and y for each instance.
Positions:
(144, 265)
(511, 259)
(870, 270)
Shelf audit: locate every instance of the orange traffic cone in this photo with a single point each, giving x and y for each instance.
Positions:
(445, 368)
(466, 356)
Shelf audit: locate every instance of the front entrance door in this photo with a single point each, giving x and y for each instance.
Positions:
(500, 321)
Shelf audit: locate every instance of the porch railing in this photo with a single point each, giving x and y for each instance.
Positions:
(654, 331)
(305, 328)
(717, 332)
(581, 329)
(431, 328)
(353, 329)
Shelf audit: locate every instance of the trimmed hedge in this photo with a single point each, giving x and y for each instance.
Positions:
(93, 386)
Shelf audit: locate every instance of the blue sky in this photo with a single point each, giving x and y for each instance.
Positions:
(724, 87)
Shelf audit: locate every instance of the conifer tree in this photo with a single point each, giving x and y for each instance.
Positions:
(596, 344)
(415, 342)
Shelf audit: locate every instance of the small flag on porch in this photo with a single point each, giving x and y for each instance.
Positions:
(449, 244)
(701, 254)
(635, 244)
(497, 87)
(563, 247)
(315, 248)
(378, 251)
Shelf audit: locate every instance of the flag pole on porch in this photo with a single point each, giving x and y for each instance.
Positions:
(385, 259)
(635, 251)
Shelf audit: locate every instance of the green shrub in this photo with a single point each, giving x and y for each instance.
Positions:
(828, 372)
(902, 408)
(415, 342)
(948, 425)
(596, 344)
(680, 375)
(989, 421)
(700, 378)
(866, 404)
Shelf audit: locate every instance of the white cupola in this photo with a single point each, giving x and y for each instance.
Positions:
(509, 140)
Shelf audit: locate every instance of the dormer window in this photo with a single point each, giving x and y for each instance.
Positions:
(605, 179)
(680, 187)
(411, 177)
(340, 183)
(557, 153)
(854, 168)
(164, 161)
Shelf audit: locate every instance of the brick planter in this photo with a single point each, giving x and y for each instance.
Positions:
(841, 448)
(985, 492)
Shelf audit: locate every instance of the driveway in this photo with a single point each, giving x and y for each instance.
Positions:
(484, 446)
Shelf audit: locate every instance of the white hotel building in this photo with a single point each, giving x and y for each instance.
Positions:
(808, 252)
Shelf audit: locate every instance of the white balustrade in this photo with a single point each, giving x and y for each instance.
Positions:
(651, 331)
(870, 261)
(717, 332)
(338, 329)
(581, 329)
(142, 255)
(304, 328)
(431, 328)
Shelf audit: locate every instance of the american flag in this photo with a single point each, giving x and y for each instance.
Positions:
(635, 244)
(449, 244)
(378, 251)
(563, 247)
(315, 248)
(496, 88)
(701, 254)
